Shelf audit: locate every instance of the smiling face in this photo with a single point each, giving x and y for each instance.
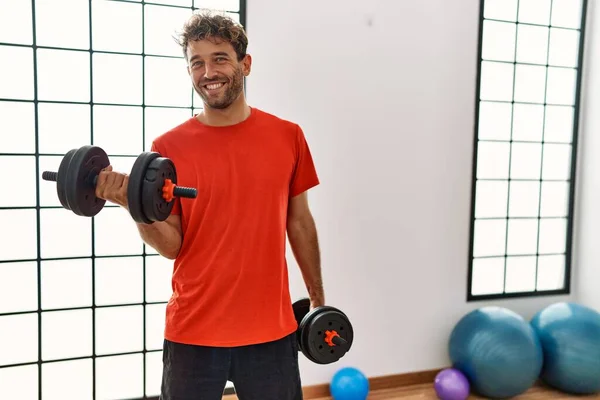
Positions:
(216, 72)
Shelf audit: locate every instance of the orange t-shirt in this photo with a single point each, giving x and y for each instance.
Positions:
(230, 279)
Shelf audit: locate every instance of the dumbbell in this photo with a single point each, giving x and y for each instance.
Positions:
(324, 334)
(151, 189)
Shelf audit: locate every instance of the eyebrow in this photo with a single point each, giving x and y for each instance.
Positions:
(218, 53)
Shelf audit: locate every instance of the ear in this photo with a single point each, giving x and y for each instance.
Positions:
(247, 64)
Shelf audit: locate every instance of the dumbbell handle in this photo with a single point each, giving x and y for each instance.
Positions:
(53, 176)
(50, 176)
(339, 341)
(169, 189)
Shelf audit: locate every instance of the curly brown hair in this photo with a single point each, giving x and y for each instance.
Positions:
(208, 24)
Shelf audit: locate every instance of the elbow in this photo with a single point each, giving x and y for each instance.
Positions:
(294, 228)
(300, 229)
(170, 254)
(301, 223)
(169, 251)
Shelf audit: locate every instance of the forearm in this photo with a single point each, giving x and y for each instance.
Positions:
(302, 235)
(163, 237)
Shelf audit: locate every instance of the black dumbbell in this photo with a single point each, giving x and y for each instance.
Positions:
(151, 189)
(324, 334)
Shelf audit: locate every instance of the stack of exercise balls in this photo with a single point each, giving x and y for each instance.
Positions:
(497, 354)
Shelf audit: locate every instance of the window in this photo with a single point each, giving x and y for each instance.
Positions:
(525, 148)
(82, 300)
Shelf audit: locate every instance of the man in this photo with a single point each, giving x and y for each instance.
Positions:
(230, 316)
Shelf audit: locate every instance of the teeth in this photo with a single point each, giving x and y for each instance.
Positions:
(214, 86)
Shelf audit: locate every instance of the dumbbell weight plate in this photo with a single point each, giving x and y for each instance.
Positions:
(154, 206)
(301, 308)
(62, 178)
(136, 184)
(312, 334)
(79, 186)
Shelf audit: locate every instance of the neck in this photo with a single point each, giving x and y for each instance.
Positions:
(237, 112)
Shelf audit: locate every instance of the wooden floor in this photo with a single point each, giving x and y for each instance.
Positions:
(426, 392)
(395, 387)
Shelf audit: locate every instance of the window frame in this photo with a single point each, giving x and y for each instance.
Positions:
(470, 297)
(38, 207)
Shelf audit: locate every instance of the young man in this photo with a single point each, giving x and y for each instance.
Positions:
(230, 316)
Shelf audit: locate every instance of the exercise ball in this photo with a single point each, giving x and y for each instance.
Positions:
(497, 350)
(451, 384)
(570, 338)
(349, 384)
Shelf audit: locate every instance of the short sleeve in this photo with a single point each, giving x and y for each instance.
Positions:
(305, 174)
(176, 202)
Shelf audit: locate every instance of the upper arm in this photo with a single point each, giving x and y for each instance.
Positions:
(298, 208)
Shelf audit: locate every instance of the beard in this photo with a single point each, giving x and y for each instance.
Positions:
(222, 100)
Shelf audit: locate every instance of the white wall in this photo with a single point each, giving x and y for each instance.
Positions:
(588, 207)
(385, 92)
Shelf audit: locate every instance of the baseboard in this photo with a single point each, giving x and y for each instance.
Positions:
(375, 383)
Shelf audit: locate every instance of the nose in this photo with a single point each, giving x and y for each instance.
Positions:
(209, 71)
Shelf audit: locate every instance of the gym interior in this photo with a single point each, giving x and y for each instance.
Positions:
(455, 144)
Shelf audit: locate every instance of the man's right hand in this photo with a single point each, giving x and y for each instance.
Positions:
(112, 186)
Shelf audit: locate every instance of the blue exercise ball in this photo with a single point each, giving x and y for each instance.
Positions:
(498, 352)
(570, 338)
(349, 384)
